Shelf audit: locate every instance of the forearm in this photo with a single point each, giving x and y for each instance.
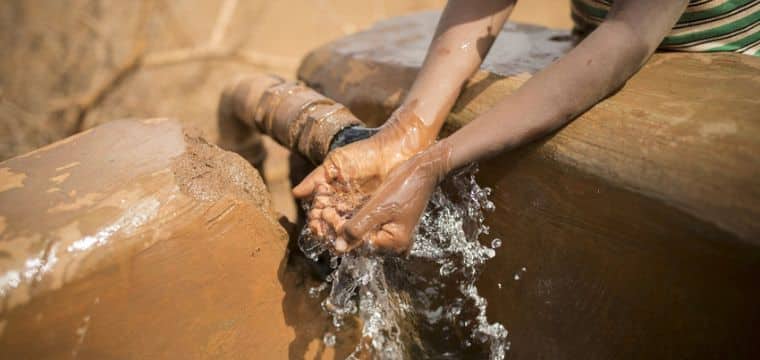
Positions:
(465, 32)
(599, 65)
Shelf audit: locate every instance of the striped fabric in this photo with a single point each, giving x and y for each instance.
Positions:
(706, 25)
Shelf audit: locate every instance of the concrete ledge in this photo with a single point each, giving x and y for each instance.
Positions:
(138, 240)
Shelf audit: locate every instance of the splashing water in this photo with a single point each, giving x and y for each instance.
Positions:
(425, 304)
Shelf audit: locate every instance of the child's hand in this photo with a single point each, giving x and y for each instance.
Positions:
(350, 174)
(388, 220)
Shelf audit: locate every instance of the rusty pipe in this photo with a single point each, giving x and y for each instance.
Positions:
(293, 114)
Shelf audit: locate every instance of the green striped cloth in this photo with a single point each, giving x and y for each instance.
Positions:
(706, 25)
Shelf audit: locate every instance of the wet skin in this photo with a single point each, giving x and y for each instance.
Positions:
(598, 66)
(389, 219)
(349, 175)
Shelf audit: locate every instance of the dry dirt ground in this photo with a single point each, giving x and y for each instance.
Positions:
(69, 65)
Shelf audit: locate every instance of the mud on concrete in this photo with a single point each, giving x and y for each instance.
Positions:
(206, 173)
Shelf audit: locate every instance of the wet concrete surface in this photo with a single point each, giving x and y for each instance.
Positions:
(588, 270)
(139, 239)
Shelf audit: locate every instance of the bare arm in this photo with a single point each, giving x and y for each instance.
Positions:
(598, 66)
(465, 32)
(462, 39)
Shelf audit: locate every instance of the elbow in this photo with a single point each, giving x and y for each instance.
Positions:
(635, 46)
(638, 52)
(626, 51)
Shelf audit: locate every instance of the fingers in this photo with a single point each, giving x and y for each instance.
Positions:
(324, 221)
(377, 226)
(317, 228)
(391, 236)
(341, 245)
(321, 202)
(308, 185)
(369, 219)
(332, 218)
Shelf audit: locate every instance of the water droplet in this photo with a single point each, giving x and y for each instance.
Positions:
(314, 291)
(517, 276)
(329, 339)
(496, 243)
(447, 269)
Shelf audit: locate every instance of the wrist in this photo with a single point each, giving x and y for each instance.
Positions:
(436, 159)
(407, 130)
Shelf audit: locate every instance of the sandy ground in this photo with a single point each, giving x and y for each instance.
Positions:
(68, 66)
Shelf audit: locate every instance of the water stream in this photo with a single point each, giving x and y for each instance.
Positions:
(425, 304)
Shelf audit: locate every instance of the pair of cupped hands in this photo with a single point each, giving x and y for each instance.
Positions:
(373, 192)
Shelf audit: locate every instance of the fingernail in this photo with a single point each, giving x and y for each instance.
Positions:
(340, 245)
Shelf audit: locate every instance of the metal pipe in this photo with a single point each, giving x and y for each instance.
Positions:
(295, 115)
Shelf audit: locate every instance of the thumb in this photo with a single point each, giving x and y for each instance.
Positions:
(369, 218)
(307, 185)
